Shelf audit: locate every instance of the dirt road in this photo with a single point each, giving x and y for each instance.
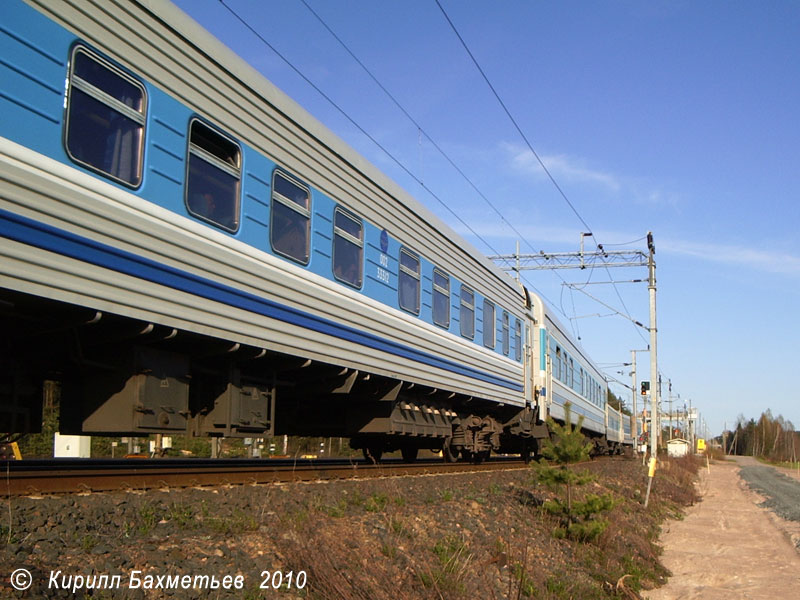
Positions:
(727, 546)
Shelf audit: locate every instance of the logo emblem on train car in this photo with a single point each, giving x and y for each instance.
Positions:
(384, 241)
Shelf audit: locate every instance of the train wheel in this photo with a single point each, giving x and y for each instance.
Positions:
(449, 453)
(525, 453)
(372, 454)
(409, 453)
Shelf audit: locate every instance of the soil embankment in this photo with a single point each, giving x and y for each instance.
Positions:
(729, 547)
(446, 537)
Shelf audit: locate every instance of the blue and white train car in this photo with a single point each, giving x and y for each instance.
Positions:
(188, 250)
(571, 377)
(567, 376)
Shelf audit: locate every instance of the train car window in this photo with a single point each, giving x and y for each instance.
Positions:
(105, 118)
(571, 375)
(467, 313)
(348, 248)
(290, 218)
(488, 324)
(441, 299)
(557, 364)
(518, 341)
(561, 376)
(506, 335)
(408, 282)
(213, 176)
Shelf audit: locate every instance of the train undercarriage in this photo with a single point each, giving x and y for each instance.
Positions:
(120, 376)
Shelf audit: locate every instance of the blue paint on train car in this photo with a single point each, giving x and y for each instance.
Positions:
(165, 153)
(543, 349)
(33, 61)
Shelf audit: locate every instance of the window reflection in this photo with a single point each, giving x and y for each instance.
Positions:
(290, 219)
(105, 119)
(408, 282)
(348, 248)
(212, 182)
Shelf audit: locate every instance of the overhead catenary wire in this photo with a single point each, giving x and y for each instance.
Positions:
(397, 161)
(423, 132)
(371, 138)
(636, 241)
(513, 120)
(419, 127)
(344, 113)
(530, 147)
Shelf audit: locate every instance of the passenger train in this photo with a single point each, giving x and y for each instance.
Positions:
(188, 251)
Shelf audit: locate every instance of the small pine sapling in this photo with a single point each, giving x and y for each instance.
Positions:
(576, 519)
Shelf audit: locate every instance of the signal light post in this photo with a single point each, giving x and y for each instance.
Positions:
(634, 394)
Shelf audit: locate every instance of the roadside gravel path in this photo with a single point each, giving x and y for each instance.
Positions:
(727, 547)
(782, 492)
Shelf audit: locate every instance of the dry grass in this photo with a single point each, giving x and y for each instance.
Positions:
(483, 536)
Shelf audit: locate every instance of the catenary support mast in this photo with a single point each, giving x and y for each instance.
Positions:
(654, 387)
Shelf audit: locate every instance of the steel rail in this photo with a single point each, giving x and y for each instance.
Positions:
(39, 477)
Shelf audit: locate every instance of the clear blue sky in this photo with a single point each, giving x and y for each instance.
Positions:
(676, 117)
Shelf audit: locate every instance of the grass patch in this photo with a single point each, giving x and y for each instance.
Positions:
(376, 502)
(454, 563)
(148, 518)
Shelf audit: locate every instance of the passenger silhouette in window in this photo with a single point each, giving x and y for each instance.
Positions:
(292, 239)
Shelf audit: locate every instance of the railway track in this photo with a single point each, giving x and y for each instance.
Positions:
(60, 476)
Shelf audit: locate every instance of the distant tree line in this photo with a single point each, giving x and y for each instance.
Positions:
(617, 403)
(773, 438)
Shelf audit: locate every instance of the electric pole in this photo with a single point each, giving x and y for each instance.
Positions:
(651, 286)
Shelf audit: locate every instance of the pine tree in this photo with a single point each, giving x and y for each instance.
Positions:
(576, 519)
(571, 445)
